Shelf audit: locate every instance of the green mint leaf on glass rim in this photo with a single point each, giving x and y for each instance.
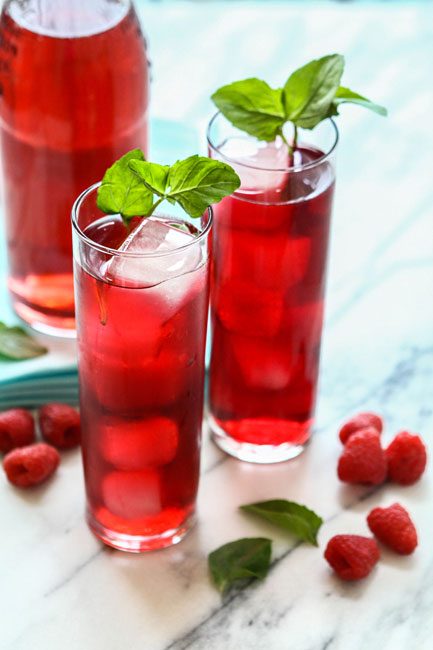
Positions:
(309, 91)
(252, 106)
(17, 345)
(310, 95)
(121, 192)
(347, 96)
(195, 183)
(292, 517)
(245, 558)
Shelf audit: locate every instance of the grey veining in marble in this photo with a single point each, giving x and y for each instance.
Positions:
(60, 589)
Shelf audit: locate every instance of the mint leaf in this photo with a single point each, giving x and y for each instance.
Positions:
(243, 558)
(309, 91)
(154, 176)
(121, 192)
(198, 182)
(347, 96)
(291, 516)
(16, 344)
(252, 106)
(195, 183)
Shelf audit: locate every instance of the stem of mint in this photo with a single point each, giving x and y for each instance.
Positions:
(290, 148)
(154, 206)
(295, 136)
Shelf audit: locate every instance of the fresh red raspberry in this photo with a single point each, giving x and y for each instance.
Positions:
(393, 527)
(352, 556)
(358, 422)
(363, 459)
(60, 425)
(407, 458)
(17, 428)
(28, 466)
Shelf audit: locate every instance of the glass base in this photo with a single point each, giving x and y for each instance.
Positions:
(52, 325)
(139, 543)
(254, 453)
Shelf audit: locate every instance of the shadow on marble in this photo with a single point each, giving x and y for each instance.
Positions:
(355, 590)
(348, 495)
(33, 495)
(400, 562)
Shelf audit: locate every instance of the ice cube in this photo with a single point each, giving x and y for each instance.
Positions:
(243, 307)
(143, 382)
(168, 276)
(264, 364)
(269, 260)
(259, 162)
(132, 494)
(147, 270)
(138, 444)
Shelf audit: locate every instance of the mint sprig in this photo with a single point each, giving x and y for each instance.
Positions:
(298, 520)
(245, 558)
(310, 95)
(17, 345)
(195, 183)
(135, 187)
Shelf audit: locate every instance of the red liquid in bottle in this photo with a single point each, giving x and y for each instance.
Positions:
(267, 301)
(141, 362)
(74, 98)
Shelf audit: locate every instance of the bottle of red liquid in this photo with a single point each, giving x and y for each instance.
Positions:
(74, 97)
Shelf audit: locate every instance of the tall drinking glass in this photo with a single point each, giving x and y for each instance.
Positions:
(74, 97)
(142, 301)
(270, 242)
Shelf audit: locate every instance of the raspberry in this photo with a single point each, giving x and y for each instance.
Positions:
(393, 527)
(17, 428)
(358, 422)
(363, 459)
(352, 556)
(407, 458)
(60, 425)
(28, 466)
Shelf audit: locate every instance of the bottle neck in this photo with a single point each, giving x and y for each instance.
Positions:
(66, 18)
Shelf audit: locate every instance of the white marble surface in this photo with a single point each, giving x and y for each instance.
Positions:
(60, 589)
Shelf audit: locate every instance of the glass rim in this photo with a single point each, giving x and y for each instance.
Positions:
(290, 168)
(116, 252)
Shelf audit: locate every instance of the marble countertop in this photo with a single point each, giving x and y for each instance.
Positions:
(60, 589)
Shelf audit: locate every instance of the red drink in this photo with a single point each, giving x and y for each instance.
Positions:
(74, 98)
(270, 243)
(141, 326)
